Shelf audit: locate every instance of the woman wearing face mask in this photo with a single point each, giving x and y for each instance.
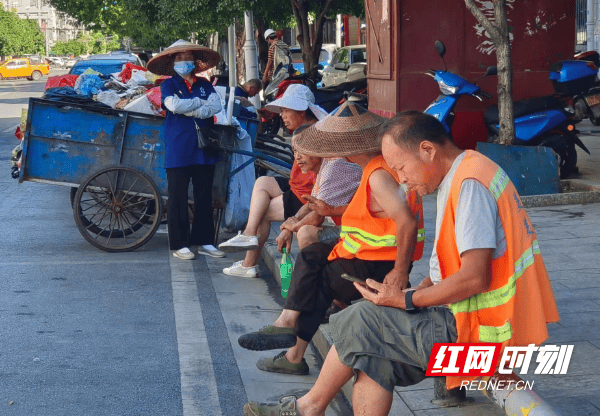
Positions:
(190, 103)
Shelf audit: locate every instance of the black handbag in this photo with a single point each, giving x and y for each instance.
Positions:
(207, 140)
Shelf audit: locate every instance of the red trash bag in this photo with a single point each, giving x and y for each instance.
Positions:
(61, 81)
(155, 99)
(125, 74)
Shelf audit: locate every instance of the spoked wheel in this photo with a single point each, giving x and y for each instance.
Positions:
(117, 209)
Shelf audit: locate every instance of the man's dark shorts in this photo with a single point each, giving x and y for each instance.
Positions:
(291, 203)
(390, 345)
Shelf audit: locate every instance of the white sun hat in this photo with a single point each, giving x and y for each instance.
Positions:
(297, 97)
(268, 33)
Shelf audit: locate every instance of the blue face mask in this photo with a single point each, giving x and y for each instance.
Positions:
(184, 67)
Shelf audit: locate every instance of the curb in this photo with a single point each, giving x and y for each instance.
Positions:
(582, 193)
(510, 400)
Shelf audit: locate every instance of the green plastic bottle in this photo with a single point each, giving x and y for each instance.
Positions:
(285, 270)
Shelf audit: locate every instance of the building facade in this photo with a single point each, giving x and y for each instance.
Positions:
(56, 26)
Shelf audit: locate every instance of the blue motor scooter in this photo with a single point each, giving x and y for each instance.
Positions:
(540, 121)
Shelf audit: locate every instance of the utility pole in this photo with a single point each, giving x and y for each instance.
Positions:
(251, 54)
(232, 71)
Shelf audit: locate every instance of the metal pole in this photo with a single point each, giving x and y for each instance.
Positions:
(338, 30)
(590, 25)
(232, 71)
(251, 54)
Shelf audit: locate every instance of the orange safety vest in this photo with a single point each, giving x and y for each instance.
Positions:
(518, 305)
(368, 238)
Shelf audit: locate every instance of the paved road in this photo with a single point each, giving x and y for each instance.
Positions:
(84, 332)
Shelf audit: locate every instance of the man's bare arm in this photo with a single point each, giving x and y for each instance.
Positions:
(385, 191)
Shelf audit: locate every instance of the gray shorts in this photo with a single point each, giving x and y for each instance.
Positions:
(329, 233)
(390, 345)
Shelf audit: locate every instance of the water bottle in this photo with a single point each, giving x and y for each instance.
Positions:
(285, 270)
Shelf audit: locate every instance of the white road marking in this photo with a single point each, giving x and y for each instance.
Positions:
(198, 384)
(10, 129)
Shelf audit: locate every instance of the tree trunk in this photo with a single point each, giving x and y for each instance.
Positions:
(498, 31)
(311, 47)
(263, 46)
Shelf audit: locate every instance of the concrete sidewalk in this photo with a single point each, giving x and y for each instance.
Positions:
(570, 243)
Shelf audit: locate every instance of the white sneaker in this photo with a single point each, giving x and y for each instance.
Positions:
(210, 250)
(237, 269)
(240, 242)
(184, 254)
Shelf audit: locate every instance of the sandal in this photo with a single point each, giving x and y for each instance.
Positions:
(285, 407)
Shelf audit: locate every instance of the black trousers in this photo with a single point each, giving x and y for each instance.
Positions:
(178, 220)
(316, 282)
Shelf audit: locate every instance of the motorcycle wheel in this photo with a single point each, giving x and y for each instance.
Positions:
(566, 154)
(595, 120)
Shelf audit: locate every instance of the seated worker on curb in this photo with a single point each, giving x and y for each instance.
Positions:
(379, 239)
(488, 282)
(275, 198)
(335, 186)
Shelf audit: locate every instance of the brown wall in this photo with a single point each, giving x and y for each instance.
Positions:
(405, 31)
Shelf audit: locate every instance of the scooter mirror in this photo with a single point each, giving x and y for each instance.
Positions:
(491, 70)
(440, 48)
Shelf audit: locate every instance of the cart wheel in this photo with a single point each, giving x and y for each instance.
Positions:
(117, 209)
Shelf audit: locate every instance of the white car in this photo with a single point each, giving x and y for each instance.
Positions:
(348, 64)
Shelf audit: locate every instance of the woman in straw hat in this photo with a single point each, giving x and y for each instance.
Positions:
(190, 103)
(277, 199)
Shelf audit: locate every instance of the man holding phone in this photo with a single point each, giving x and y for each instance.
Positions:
(382, 233)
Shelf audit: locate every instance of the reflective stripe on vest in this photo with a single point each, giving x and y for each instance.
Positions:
(496, 334)
(368, 238)
(501, 295)
(349, 244)
(499, 183)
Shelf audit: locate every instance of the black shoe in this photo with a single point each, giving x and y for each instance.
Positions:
(268, 338)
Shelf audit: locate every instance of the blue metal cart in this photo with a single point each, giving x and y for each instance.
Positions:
(114, 158)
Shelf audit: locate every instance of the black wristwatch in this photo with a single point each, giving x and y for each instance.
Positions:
(410, 308)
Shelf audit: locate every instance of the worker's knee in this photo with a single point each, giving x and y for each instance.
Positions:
(307, 235)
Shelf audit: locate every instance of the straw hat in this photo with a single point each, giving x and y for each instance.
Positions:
(351, 130)
(162, 64)
(297, 97)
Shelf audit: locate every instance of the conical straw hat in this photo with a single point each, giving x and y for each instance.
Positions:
(351, 130)
(162, 64)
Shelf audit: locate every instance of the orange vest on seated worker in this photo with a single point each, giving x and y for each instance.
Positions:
(518, 305)
(366, 237)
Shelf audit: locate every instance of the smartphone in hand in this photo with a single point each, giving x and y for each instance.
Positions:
(354, 279)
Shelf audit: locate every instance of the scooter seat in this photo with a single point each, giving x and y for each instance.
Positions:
(523, 108)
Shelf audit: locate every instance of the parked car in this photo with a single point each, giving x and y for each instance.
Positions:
(23, 68)
(69, 62)
(106, 64)
(348, 64)
(327, 51)
(57, 61)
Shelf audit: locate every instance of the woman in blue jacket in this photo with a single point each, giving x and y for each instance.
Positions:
(190, 104)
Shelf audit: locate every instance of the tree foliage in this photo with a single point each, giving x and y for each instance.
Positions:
(19, 36)
(88, 43)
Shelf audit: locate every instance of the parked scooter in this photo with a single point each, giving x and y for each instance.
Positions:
(540, 121)
(576, 82)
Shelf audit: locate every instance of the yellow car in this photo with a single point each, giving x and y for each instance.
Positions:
(22, 68)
